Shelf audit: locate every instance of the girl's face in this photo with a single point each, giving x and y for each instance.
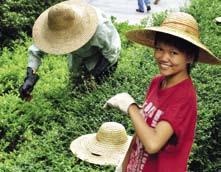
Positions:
(171, 61)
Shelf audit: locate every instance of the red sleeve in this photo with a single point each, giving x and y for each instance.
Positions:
(180, 115)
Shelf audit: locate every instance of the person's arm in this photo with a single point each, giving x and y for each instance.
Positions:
(107, 39)
(34, 61)
(110, 43)
(153, 139)
(34, 57)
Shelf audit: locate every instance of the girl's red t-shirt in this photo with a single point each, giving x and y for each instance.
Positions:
(176, 105)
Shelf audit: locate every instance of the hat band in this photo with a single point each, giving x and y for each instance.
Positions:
(183, 28)
(120, 138)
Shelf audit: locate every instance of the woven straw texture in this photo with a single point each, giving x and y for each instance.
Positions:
(178, 24)
(65, 27)
(106, 147)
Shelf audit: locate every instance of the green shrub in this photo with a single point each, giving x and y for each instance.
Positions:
(18, 16)
(36, 135)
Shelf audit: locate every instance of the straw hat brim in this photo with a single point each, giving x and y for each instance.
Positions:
(147, 37)
(65, 41)
(87, 148)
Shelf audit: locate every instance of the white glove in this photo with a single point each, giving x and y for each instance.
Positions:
(122, 101)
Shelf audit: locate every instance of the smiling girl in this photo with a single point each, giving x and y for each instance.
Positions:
(165, 125)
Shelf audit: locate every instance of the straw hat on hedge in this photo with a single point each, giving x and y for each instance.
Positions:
(65, 27)
(178, 24)
(106, 147)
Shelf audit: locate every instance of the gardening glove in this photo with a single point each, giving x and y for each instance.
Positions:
(29, 83)
(122, 101)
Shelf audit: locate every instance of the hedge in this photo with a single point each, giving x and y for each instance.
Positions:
(18, 16)
(35, 136)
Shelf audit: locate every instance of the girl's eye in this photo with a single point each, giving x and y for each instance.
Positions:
(174, 53)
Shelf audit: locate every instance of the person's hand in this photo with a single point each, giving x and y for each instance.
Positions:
(122, 101)
(29, 83)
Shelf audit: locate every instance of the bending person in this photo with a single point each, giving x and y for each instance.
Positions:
(79, 30)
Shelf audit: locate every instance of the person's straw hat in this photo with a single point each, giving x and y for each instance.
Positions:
(106, 147)
(178, 24)
(65, 27)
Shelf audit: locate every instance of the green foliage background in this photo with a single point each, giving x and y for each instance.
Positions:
(35, 136)
(17, 16)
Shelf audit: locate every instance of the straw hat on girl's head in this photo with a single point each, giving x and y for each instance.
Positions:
(65, 27)
(178, 24)
(106, 147)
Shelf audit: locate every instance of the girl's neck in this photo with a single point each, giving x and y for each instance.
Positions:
(170, 81)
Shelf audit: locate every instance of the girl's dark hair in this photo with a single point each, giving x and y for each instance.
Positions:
(181, 44)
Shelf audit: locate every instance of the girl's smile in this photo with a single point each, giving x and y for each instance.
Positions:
(172, 63)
